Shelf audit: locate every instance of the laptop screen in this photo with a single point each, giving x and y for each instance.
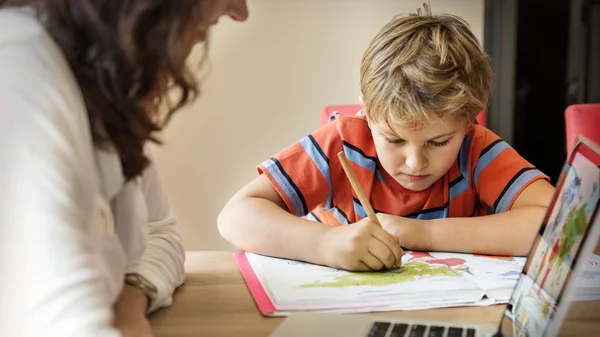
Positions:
(549, 280)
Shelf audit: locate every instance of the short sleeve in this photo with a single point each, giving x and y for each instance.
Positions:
(499, 173)
(301, 173)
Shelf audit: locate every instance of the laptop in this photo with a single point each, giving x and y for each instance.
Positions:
(543, 302)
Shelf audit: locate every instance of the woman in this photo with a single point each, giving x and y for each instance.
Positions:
(83, 90)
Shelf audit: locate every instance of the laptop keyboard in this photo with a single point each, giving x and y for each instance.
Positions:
(386, 329)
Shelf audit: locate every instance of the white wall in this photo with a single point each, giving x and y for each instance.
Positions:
(269, 79)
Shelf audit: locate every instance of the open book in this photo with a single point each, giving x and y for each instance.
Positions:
(426, 280)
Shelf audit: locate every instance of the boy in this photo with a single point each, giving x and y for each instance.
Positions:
(431, 174)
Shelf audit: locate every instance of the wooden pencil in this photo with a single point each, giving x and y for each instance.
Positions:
(357, 188)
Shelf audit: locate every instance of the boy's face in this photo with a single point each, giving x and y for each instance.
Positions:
(417, 157)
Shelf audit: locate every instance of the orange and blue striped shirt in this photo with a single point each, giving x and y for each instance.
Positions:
(488, 174)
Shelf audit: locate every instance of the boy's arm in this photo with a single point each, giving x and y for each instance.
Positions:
(256, 219)
(507, 233)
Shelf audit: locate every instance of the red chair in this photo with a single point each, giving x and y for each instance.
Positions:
(352, 109)
(345, 109)
(582, 120)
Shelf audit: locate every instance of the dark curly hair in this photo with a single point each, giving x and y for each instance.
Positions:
(129, 58)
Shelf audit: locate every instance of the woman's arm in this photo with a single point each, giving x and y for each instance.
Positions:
(47, 199)
(163, 261)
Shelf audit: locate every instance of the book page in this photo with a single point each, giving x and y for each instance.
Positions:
(424, 281)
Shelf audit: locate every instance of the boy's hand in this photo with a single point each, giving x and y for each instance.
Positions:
(361, 246)
(410, 233)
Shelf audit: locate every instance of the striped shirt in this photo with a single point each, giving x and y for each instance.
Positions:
(487, 176)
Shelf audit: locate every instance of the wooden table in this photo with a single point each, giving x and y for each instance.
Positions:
(214, 301)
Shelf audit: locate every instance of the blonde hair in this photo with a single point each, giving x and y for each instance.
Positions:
(423, 64)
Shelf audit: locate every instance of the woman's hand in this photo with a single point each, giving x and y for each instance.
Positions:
(130, 313)
(410, 233)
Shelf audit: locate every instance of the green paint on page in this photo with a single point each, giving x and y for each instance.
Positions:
(574, 228)
(409, 272)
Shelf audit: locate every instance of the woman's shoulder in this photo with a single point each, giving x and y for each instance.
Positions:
(37, 82)
(40, 102)
(28, 52)
(19, 24)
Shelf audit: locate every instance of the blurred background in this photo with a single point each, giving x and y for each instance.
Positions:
(269, 78)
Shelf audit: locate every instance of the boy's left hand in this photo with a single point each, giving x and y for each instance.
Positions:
(411, 233)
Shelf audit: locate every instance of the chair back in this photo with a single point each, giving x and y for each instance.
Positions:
(582, 120)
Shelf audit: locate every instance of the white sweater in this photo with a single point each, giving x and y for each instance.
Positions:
(71, 228)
